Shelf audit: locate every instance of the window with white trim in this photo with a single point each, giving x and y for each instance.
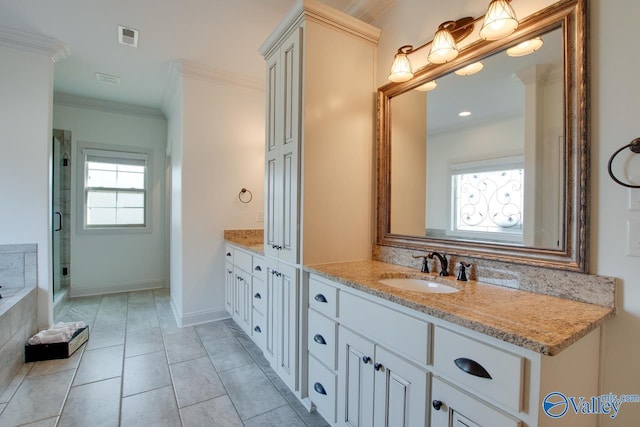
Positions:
(115, 189)
(487, 198)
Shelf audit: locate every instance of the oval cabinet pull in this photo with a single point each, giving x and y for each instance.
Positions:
(257, 329)
(257, 296)
(319, 339)
(366, 359)
(228, 253)
(319, 389)
(258, 268)
(437, 404)
(472, 367)
(320, 298)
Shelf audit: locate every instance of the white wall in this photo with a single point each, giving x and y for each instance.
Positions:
(25, 163)
(116, 262)
(221, 151)
(614, 122)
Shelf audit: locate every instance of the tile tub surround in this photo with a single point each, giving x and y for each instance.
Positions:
(581, 287)
(537, 322)
(248, 239)
(18, 310)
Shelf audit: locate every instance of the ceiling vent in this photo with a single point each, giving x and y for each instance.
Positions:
(127, 36)
(108, 79)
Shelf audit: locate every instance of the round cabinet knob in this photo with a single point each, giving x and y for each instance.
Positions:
(437, 404)
(377, 366)
(366, 359)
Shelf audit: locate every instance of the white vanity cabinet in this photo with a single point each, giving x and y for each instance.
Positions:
(400, 367)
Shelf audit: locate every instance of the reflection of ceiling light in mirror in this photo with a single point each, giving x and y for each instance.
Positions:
(526, 47)
(427, 86)
(464, 113)
(470, 69)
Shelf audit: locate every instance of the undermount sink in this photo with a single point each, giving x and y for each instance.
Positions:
(419, 285)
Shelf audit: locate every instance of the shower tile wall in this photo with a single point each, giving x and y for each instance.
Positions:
(65, 204)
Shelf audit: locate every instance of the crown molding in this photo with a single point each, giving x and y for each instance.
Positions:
(34, 43)
(369, 10)
(197, 71)
(319, 12)
(76, 101)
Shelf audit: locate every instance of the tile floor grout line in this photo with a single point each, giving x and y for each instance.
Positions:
(166, 355)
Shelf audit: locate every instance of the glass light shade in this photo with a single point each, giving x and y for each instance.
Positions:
(443, 47)
(526, 47)
(401, 70)
(470, 69)
(499, 21)
(427, 86)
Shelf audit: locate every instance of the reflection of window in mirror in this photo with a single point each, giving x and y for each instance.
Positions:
(487, 199)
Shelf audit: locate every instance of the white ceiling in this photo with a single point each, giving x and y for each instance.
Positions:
(220, 34)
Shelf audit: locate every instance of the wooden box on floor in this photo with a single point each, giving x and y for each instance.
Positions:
(58, 350)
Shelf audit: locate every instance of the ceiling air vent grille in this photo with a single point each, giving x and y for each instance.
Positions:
(108, 79)
(127, 36)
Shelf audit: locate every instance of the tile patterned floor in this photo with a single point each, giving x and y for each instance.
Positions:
(139, 369)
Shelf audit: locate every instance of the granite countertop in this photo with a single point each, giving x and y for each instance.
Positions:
(537, 322)
(247, 239)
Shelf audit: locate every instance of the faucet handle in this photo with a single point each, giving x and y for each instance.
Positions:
(462, 276)
(425, 267)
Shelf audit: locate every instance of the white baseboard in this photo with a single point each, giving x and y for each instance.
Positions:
(204, 316)
(84, 291)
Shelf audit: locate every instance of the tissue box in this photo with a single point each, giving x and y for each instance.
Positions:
(57, 350)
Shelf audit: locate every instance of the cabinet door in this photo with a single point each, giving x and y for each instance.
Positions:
(282, 148)
(453, 407)
(401, 390)
(355, 379)
(242, 299)
(271, 315)
(287, 324)
(229, 283)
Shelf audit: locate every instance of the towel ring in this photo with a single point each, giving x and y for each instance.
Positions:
(244, 191)
(634, 146)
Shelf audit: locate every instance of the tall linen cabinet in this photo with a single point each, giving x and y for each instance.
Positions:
(319, 151)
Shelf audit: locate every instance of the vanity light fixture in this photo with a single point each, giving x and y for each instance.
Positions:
(470, 69)
(526, 47)
(427, 86)
(499, 21)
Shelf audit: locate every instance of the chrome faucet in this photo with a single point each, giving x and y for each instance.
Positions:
(444, 264)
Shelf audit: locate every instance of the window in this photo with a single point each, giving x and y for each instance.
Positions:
(488, 197)
(115, 189)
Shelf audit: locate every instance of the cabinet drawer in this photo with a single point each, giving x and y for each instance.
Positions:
(485, 370)
(460, 409)
(259, 330)
(259, 295)
(323, 297)
(322, 339)
(322, 389)
(406, 335)
(242, 260)
(259, 268)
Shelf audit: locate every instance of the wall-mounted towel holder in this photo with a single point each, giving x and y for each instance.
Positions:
(634, 146)
(242, 195)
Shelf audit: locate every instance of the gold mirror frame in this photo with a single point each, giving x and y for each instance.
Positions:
(572, 17)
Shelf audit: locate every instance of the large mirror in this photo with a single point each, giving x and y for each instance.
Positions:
(492, 164)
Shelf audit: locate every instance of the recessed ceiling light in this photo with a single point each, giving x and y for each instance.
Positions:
(128, 36)
(470, 69)
(108, 79)
(464, 113)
